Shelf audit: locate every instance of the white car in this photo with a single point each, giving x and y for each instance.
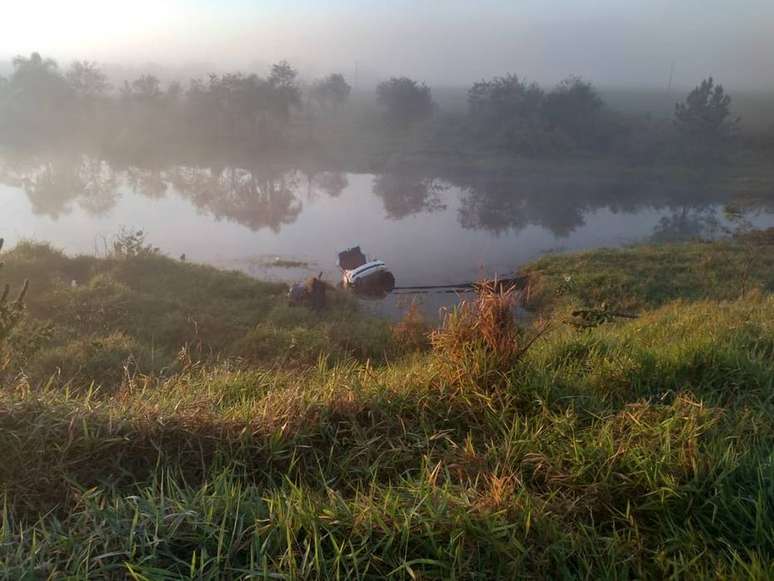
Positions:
(361, 274)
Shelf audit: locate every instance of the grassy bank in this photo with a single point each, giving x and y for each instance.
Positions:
(648, 276)
(87, 316)
(638, 448)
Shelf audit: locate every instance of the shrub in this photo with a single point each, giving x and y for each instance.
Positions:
(128, 244)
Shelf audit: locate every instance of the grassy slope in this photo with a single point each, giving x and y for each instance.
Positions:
(640, 448)
(151, 307)
(650, 276)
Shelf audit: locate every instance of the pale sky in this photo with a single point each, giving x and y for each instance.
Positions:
(443, 42)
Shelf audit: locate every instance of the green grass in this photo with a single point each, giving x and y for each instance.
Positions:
(97, 311)
(640, 448)
(649, 276)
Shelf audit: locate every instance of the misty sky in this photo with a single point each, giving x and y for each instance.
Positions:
(443, 42)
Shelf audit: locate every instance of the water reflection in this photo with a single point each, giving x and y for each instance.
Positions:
(251, 198)
(333, 183)
(688, 223)
(264, 196)
(150, 183)
(406, 193)
(52, 186)
(560, 203)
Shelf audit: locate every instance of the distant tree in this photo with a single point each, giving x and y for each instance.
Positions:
(33, 67)
(504, 112)
(405, 100)
(503, 98)
(145, 88)
(285, 92)
(331, 91)
(237, 107)
(146, 121)
(38, 98)
(86, 80)
(174, 92)
(573, 108)
(4, 95)
(705, 122)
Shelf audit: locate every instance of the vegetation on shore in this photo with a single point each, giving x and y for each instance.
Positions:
(139, 312)
(243, 438)
(233, 118)
(651, 275)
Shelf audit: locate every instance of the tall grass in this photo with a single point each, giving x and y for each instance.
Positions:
(648, 276)
(144, 305)
(637, 449)
(480, 340)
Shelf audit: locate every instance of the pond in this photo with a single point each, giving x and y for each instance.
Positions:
(284, 224)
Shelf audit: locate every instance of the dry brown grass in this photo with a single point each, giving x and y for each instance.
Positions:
(412, 332)
(481, 340)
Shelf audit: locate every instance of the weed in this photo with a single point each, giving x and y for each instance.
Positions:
(131, 243)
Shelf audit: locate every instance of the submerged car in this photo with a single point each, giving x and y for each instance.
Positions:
(364, 277)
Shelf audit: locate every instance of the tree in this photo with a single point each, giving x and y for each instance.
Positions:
(331, 91)
(33, 67)
(38, 98)
(147, 88)
(505, 113)
(573, 108)
(174, 92)
(405, 100)
(285, 90)
(86, 80)
(503, 98)
(704, 121)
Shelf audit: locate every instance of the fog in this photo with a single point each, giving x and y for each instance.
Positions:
(449, 42)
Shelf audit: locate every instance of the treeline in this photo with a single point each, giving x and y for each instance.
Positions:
(508, 114)
(42, 103)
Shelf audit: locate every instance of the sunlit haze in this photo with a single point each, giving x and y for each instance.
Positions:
(449, 42)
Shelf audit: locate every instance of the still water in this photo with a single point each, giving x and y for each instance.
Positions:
(429, 230)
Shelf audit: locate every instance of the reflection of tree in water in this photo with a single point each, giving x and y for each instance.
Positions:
(53, 185)
(501, 204)
(556, 199)
(560, 203)
(331, 182)
(494, 206)
(254, 199)
(148, 182)
(687, 223)
(241, 195)
(99, 191)
(404, 194)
